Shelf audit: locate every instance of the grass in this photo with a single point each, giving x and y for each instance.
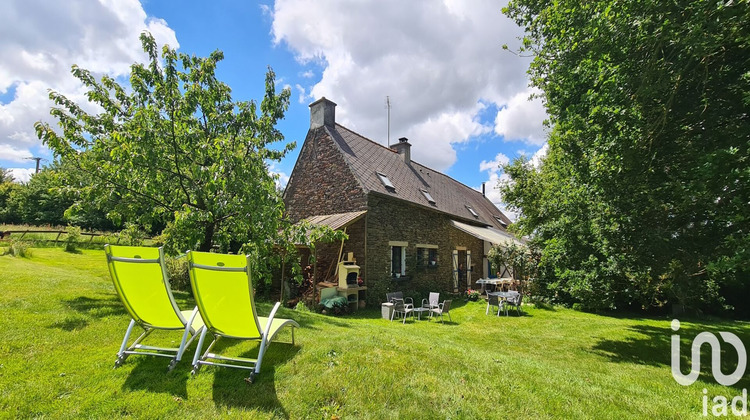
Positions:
(52, 238)
(61, 325)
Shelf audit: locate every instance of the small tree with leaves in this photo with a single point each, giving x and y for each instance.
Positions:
(175, 147)
(520, 259)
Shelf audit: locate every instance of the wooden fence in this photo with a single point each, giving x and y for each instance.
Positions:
(5, 235)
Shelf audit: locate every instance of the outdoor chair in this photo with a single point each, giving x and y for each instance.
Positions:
(494, 301)
(432, 302)
(224, 294)
(399, 306)
(443, 308)
(514, 300)
(389, 297)
(140, 279)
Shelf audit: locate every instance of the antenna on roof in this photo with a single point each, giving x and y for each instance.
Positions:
(388, 107)
(37, 159)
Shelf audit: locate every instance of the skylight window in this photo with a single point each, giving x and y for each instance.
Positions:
(472, 211)
(386, 182)
(428, 196)
(501, 221)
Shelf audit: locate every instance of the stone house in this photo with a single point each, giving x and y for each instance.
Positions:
(410, 228)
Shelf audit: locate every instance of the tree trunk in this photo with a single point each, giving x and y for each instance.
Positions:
(208, 237)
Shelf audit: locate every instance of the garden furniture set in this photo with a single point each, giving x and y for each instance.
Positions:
(405, 306)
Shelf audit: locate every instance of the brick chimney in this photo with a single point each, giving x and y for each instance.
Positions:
(403, 148)
(322, 112)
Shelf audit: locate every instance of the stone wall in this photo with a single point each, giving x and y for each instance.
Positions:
(327, 254)
(395, 220)
(321, 182)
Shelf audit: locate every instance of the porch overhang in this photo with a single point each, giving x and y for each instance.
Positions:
(335, 221)
(492, 235)
(338, 220)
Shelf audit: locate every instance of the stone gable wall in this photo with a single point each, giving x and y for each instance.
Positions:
(321, 182)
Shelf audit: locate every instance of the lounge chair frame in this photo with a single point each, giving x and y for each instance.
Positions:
(191, 322)
(265, 337)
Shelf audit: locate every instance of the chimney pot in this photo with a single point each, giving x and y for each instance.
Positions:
(322, 113)
(483, 189)
(403, 148)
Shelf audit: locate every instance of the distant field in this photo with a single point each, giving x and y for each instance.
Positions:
(62, 324)
(49, 235)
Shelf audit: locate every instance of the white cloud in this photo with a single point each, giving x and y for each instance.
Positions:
(536, 159)
(440, 62)
(494, 165)
(282, 179)
(301, 92)
(42, 40)
(21, 175)
(13, 154)
(522, 119)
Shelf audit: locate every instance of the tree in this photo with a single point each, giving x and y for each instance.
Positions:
(521, 259)
(41, 201)
(5, 175)
(177, 150)
(643, 195)
(7, 189)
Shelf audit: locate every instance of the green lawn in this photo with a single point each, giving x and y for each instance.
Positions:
(61, 325)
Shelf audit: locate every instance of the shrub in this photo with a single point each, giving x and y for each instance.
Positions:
(301, 307)
(132, 235)
(178, 273)
(19, 249)
(72, 239)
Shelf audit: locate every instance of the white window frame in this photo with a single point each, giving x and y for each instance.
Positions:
(428, 196)
(386, 181)
(403, 246)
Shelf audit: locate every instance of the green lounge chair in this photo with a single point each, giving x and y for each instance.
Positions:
(223, 291)
(140, 279)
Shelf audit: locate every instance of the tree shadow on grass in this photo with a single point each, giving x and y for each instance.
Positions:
(651, 345)
(96, 307)
(70, 323)
(150, 374)
(231, 390)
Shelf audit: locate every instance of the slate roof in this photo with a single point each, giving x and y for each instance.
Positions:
(366, 158)
(338, 220)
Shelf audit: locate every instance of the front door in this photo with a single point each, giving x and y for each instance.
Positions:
(461, 269)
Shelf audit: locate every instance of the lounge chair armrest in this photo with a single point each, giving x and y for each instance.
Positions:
(408, 306)
(270, 318)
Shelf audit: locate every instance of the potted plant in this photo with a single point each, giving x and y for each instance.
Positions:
(472, 294)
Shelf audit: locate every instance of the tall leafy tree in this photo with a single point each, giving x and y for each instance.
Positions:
(8, 188)
(174, 147)
(43, 200)
(644, 195)
(5, 175)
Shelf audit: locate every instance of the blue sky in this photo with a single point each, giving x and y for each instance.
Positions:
(459, 98)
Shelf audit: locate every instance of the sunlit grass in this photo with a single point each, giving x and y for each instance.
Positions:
(61, 325)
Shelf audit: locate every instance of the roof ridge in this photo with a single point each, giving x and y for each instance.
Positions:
(366, 138)
(414, 162)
